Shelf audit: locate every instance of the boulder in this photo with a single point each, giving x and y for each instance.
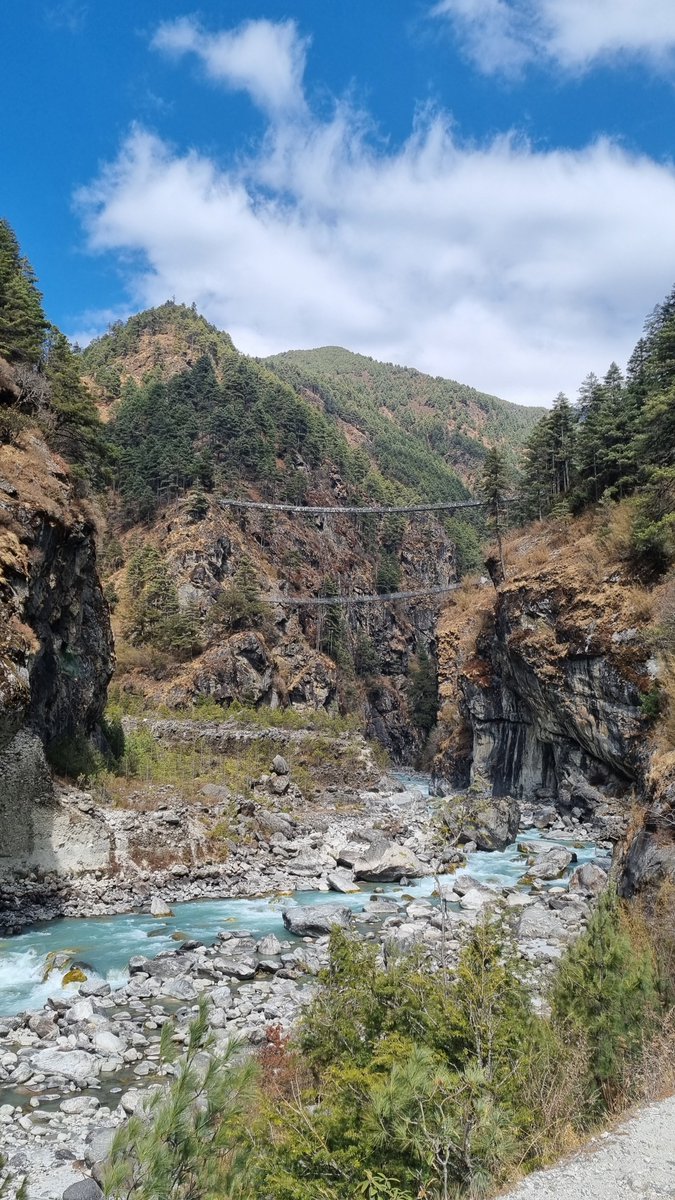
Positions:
(387, 862)
(108, 1043)
(99, 1145)
(551, 864)
(269, 946)
(542, 923)
(84, 1189)
(341, 881)
(76, 1065)
(477, 898)
(491, 822)
(279, 765)
(315, 920)
(588, 879)
(159, 908)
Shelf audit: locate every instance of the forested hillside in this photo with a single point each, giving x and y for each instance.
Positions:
(406, 418)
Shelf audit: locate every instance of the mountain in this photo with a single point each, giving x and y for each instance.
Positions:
(195, 585)
(403, 416)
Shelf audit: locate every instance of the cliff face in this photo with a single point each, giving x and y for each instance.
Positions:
(55, 637)
(543, 681)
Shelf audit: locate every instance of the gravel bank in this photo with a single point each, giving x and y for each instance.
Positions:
(634, 1162)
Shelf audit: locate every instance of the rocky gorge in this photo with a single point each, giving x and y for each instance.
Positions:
(75, 1068)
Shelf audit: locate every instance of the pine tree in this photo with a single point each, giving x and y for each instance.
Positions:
(190, 1142)
(494, 490)
(605, 994)
(424, 692)
(22, 320)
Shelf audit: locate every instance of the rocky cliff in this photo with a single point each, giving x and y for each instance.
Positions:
(544, 682)
(55, 637)
(282, 663)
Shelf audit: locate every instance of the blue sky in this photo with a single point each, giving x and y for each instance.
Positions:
(481, 188)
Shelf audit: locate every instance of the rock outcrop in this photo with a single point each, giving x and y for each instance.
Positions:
(543, 681)
(549, 689)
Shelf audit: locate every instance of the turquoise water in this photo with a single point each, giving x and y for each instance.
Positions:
(107, 943)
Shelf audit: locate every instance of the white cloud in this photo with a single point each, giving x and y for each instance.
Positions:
(504, 35)
(264, 58)
(510, 268)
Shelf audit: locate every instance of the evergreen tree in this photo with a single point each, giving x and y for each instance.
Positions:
(153, 616)
(22, 320)
(424, 692)
(189, 1145)
(605, 993)
(494, 488)
(241, 605)
(75, 429)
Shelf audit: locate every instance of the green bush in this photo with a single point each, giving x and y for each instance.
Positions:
(73, 756)
(605, 992)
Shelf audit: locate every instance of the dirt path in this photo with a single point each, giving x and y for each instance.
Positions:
(634, 1162)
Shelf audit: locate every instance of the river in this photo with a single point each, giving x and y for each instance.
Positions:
(107, 943)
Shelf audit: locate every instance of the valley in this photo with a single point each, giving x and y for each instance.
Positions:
(336, 738)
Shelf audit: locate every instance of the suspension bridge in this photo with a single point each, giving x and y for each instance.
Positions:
(346, 600)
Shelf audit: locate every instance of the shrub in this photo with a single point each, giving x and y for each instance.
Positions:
(74, 757)
(605, 991)
(190, 1145)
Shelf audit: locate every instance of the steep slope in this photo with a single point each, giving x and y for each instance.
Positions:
(191, 421)
(405, 419)
(56, 643)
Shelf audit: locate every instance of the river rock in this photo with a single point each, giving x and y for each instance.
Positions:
(76, 1065)
(490, 822)
(588, 879)
(95, 988)
(159, 908)
(551, 864)
(315, 920)
(269, 947)
(108, 1043)
(99, 1145)
(341, 881)
(387, 862)
(477, 898)
(83, 1189)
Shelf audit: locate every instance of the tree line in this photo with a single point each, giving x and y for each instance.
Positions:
(52, 395)
(617, 440)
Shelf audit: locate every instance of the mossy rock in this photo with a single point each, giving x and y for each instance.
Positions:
(56, 960)
(74, 975)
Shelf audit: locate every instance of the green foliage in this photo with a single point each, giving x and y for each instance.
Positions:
(189, 1145)
(240, 605)
(12, 425)
(153, 615)
(605, 992)
(366, 658)
(388, 574)
(652, 703)
(618, 440)
(74, 429)
(7, 1181)
(226, 418)
(22, 320)
(333, 633)
(424, 1082)
(73, 756)
(423, 692)
(469, 555)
